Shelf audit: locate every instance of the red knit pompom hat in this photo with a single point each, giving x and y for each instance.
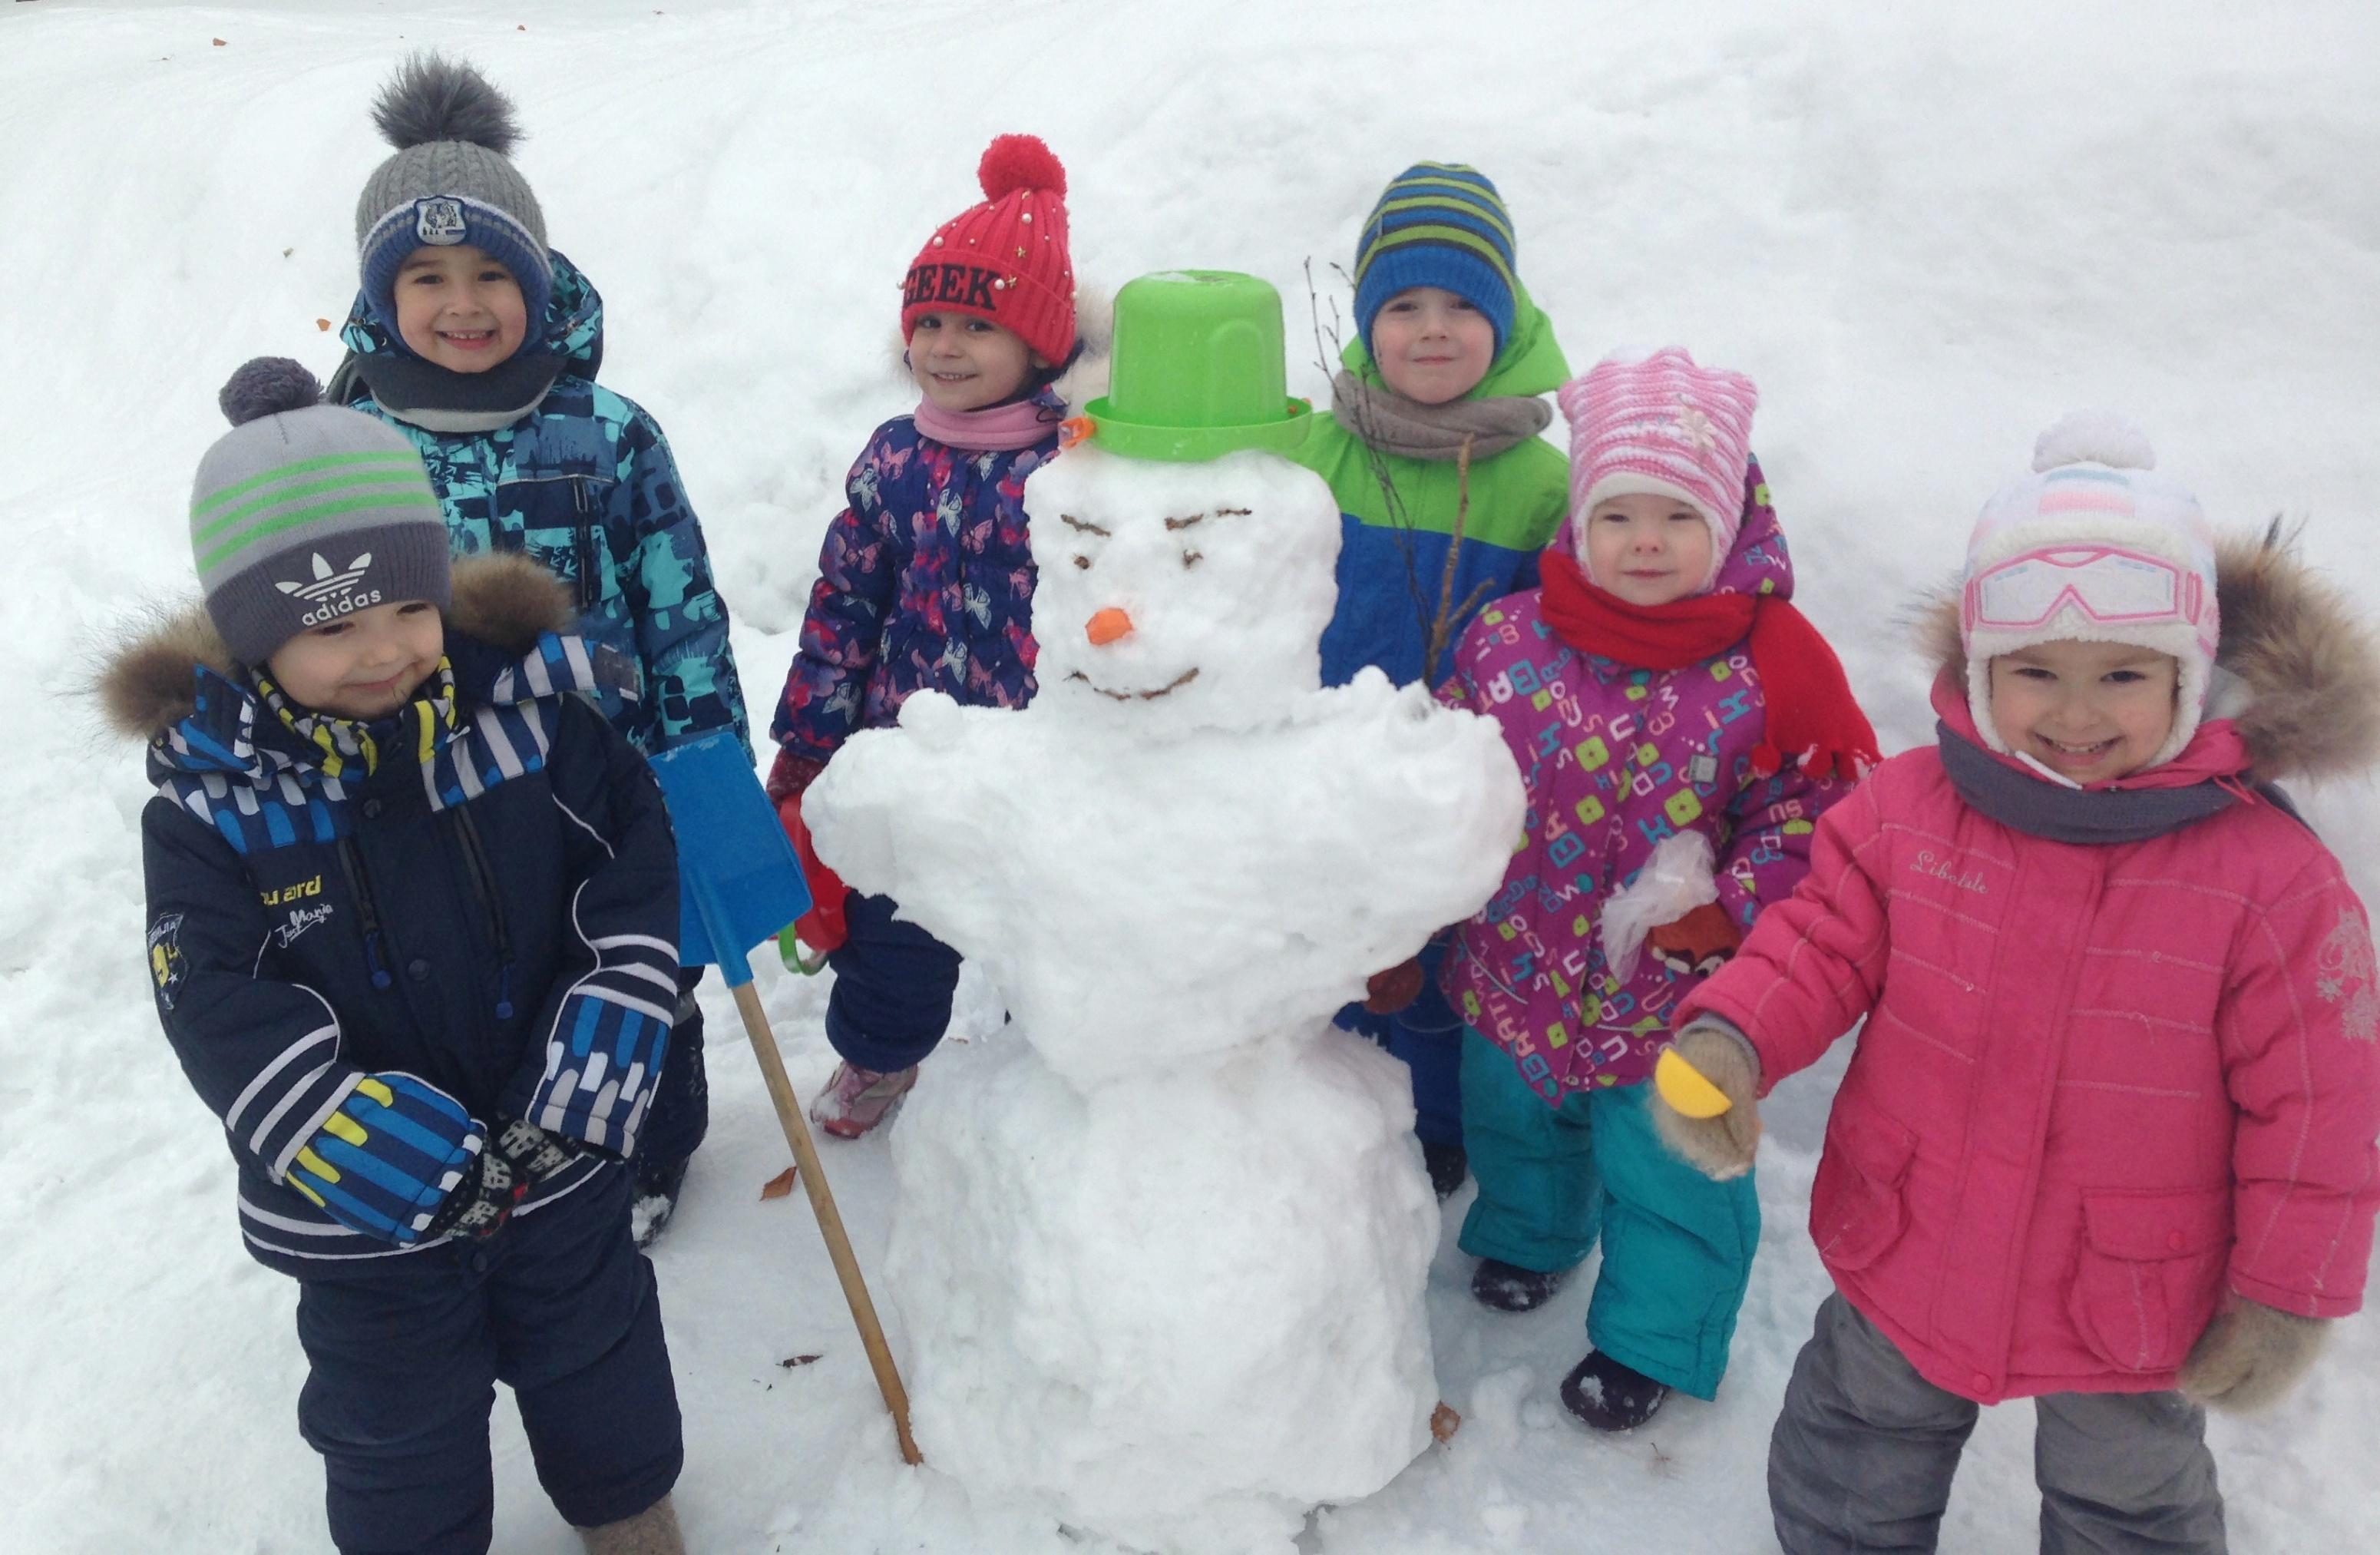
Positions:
(1004, 260)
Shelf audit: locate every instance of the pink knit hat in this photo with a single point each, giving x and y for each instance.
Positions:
(1661, 426)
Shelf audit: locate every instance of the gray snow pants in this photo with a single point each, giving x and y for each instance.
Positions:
(1863, 1455)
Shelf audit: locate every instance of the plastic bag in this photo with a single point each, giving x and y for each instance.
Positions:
(1680, 877)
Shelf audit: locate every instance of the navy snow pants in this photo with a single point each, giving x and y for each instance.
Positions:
(893, 987)
(407, 1352)
(1427, 1035)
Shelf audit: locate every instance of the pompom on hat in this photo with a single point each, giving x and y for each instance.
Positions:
(451, 181)
(1005, 259)
(2092, 546)
(305, 512)
(1660, 425)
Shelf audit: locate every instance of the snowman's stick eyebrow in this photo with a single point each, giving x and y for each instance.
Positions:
(1196, 518)
(1073, 523)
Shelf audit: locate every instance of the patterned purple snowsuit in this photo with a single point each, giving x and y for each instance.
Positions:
(1616, 759)
(925, 583)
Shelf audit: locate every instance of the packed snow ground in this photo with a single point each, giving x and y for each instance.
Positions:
(1924, 234)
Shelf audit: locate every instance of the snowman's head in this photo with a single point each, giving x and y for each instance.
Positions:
(1181, 595)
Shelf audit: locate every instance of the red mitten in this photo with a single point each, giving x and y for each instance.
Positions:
(1387, 992)
(823, 927)
(1696, 945)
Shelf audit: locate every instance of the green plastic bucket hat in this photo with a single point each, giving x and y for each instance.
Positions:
(1198, 371)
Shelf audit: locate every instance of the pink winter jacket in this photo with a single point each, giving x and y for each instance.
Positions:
(2099, 1083)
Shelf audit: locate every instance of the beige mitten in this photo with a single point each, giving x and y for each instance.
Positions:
(2249, 1356)
(1722, 1147)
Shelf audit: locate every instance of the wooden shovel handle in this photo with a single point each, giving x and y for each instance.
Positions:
(838, 1244)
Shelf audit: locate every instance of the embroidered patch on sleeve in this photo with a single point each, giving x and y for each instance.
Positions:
(165, 964)
(2347, 974)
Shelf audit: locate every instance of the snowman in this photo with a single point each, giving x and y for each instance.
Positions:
(1160, 1245)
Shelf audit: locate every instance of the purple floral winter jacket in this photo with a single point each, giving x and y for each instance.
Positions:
(1616, 759)
(925, 583)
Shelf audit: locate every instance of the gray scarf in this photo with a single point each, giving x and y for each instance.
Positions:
(439, 401)
(2073, 815)
(1387, 420)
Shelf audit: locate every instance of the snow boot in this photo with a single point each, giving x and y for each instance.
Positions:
(1448, 1166)
(857, 1099)
(1507, 1287)
(1609, 1396)
(650, 1532)
(655, 1199)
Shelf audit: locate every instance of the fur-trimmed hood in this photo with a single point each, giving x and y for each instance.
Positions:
(2297, 670)
(505, 602)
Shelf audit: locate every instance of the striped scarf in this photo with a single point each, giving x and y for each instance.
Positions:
(261, 796)
(421, 725)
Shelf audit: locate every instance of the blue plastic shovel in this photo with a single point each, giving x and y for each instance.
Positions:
(739, 883)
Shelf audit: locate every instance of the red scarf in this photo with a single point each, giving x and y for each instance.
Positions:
(1810, 711)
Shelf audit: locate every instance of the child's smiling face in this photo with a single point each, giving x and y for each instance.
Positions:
(1647, 549)
(459, 307)
(1431, 346)
(365, 665)
(963, 362)
(2087, 710)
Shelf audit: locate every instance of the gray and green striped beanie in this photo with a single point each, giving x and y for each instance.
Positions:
(1439, 224)
(305, 512)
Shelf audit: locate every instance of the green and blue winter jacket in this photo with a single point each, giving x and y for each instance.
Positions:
(583, 484)
(1392, 572)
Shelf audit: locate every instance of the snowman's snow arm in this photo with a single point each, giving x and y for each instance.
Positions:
(1430, 803)
(890, 813)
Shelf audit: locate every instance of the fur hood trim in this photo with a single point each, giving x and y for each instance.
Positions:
(503, 601)
(2297, 671)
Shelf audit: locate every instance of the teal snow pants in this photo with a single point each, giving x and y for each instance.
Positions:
(1677, 1246)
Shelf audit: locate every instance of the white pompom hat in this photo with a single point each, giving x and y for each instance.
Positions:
(2092, 547)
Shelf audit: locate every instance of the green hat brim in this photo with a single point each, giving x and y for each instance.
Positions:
(1139, 440)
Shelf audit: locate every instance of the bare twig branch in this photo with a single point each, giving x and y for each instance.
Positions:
(1366, 434)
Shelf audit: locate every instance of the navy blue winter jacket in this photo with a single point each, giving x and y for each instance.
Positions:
(500, 921)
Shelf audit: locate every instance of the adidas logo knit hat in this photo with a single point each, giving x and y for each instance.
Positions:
(305, 512)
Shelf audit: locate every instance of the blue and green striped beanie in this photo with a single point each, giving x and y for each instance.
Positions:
(305, 512)
(1439, 224)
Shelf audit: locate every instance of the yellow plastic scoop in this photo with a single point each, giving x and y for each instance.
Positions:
(1683, 1087)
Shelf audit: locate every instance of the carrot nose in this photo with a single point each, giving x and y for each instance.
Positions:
(1105, 626)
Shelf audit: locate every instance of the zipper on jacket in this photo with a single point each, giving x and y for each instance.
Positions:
(582, 540)
(351, 865)
(483, 885)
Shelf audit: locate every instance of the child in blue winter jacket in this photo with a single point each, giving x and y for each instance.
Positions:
(412, 911)
(480, 345)
(925, 583)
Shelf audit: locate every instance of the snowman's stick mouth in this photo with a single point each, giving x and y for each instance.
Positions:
(1184, 678)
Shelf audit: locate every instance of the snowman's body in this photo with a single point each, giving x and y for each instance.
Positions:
(1160, 1249)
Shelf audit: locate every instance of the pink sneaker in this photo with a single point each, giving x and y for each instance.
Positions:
(857, 1099)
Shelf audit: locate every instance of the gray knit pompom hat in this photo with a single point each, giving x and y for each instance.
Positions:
(450, 181)
(305, 512)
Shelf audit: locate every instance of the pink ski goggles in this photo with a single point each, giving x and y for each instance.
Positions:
(2108, 585)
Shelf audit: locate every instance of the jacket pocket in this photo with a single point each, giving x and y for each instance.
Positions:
(2149, 1274)
(1857, 1208)
(561, 518)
